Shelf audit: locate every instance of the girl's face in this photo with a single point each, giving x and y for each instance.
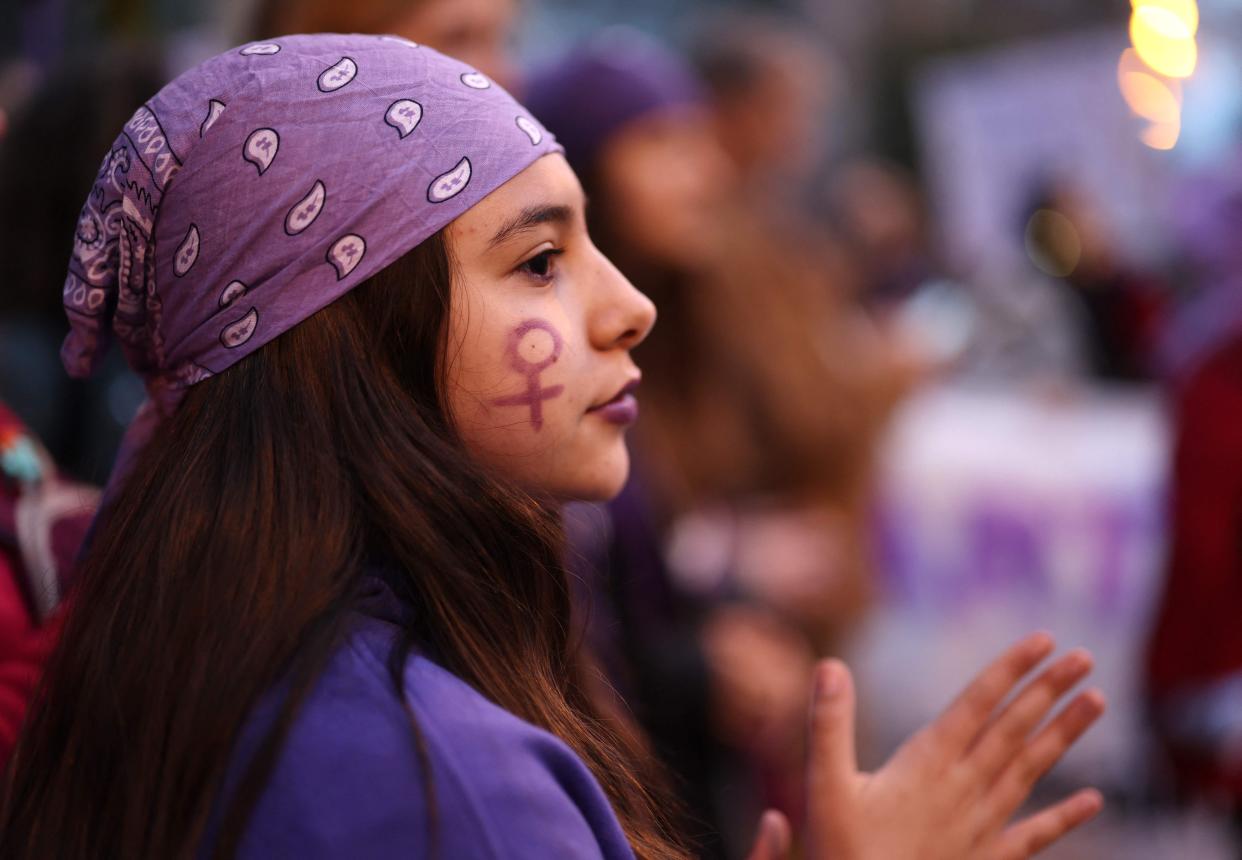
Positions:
(538, 366)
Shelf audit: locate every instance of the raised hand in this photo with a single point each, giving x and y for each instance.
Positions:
(951, 791)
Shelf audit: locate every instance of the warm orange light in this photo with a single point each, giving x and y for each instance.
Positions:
(1164, 41)
(1148, 95)
(1161, 135)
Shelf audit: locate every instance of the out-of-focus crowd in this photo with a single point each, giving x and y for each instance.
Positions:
(810, 318)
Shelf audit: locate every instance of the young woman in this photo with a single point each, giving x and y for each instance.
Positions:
(322, 614)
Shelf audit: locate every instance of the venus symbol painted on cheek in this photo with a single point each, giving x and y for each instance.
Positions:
(534, 346)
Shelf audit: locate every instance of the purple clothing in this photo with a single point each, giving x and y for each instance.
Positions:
(348, 784)
(262, 185)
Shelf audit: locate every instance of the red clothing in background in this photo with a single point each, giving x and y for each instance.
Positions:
(1198, 635)
(24, 647)
(43, 520)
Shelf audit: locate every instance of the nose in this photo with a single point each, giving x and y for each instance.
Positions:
(622, 316)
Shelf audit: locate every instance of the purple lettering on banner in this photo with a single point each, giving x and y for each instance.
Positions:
(1006, 548)
(1117, 528)
(534, 395)
(892, 527)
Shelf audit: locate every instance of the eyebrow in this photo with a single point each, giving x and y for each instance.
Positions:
(531, 217)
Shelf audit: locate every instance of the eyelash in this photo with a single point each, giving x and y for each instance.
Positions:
(543, 258)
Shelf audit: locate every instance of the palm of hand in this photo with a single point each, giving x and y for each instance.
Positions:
(951, 791)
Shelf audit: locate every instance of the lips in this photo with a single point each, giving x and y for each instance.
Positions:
(622, 408)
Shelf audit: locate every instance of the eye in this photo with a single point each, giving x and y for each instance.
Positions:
(540, 266)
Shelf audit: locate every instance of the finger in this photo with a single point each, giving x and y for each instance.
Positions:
(1034, 834)
(1005, 737)
(833, 763)
(958, 726)
(1045, 750)
(774, 839)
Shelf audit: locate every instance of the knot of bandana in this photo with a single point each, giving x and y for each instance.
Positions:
(262, 185)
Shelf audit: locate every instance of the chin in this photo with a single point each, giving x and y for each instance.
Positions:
(600, 483)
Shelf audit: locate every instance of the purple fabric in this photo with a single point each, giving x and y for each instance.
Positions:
(348, 783)
(262, 185)
(610, 81)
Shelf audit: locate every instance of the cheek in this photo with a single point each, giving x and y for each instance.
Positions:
(519, 402)
(511, 389)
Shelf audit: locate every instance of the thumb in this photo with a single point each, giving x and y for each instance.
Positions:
(774, 838)
(833, 761)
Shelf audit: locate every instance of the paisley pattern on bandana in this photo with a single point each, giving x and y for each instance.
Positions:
(404, 115)
(261, 148)
(337, 75)
(346, 253)
(194, 257)
(306, 210)
(528, 127)
(232, 293)
(215, 107)
(450, 184)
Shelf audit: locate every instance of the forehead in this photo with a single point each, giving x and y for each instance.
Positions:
(549, 181)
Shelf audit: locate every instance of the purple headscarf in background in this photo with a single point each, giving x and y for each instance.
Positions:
(611, 80)
(259, 187)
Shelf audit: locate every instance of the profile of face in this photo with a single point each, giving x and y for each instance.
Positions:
(662, 177)
(538, 370)
(477, 32)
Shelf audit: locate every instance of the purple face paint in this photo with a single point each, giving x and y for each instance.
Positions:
(526, 344)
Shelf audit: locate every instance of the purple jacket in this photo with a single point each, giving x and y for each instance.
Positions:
(348, 782)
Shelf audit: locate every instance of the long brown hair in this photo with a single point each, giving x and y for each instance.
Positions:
(229, 559)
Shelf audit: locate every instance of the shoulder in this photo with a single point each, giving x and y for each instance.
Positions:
(358, 777)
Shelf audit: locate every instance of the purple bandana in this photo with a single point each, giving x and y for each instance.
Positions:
(261, 186)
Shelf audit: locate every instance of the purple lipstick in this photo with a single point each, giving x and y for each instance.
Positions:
(622, 409)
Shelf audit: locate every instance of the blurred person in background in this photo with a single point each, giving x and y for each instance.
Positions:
(1194, 661)
(769, 91)
(48, 159)
(738, 551)
(477, 32)
(880, 212)
(1117, 310)
(43, 520)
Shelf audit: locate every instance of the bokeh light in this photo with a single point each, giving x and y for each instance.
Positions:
(1163, 135)
(1165, 40)
(1053, 243)
(1148, 94)
(1164, 51)
(1186, 13)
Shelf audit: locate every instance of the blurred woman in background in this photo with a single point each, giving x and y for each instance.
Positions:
(477, 32)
